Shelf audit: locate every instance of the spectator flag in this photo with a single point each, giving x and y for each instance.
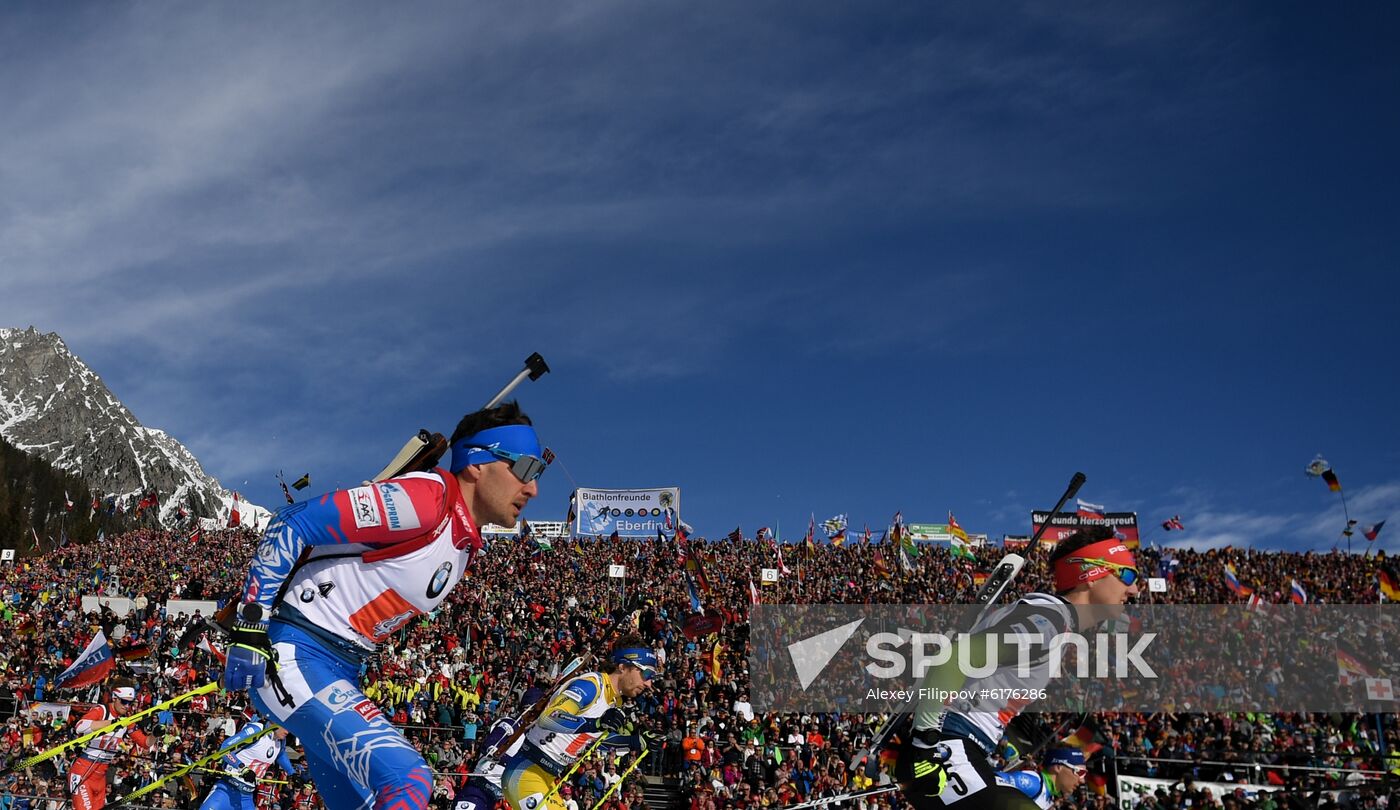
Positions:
(1296, 593)
(753, 593)
(778, 549)
(302, 482)
(834, 525)
(810, 541)
(696, 606)
(1093, 511)
(736, 536)
(233, 517)
(1332, 482)
(285, 492)
(1350, 667)
(96, 504)
(694, 567)
(36, 536)
(1317, 466)
(573, 510)
(716, 670)
(906, 560)
(907, 547)
(196, 535)
(91, 667)
(865, 536)
(956, 530)
(882, 568)
(149, 500)
(67, 502)
(1373, 532)
(211, 648)
(1390, 584)
(1232, 581)
(1173, 524)
(762, 534)
(1086, 739)
(979, 579)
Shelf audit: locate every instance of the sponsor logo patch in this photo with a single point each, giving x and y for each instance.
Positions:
(338, 695)
(364, 508)
(368, 710)
(439, 580)
(383, 615)
(398, 508)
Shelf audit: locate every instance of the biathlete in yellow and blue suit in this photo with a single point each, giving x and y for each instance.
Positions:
(585, 709)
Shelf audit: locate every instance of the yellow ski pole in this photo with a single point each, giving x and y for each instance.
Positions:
(116, 724)
(563, 780)
(184, 769)
(618, 784)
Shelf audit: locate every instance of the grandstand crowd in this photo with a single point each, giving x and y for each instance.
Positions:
(527, 610)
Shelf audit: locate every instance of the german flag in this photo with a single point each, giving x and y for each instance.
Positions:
(1086, 740)
(1390, 584)
(979, 579)
(1332, 482)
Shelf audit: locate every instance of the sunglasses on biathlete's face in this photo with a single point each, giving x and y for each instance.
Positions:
(1126, 574)
(526, 468)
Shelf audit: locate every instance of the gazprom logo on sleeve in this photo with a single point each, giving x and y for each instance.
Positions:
(398, 508)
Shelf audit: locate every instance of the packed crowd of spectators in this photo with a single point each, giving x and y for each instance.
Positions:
(527, 611)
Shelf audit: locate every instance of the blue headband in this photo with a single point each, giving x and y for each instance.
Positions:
(1071, 757)
(640, 657)
(512, 438)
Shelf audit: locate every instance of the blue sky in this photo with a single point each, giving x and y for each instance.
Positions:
(795, 259)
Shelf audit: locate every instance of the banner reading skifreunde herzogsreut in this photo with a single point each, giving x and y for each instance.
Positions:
(1063, 524)
(629, 512)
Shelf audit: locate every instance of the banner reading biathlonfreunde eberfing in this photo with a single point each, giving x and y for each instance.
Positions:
(629, 512)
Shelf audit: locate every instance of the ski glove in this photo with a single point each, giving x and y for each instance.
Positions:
(927, 774)
(248, 654)
(613, 721)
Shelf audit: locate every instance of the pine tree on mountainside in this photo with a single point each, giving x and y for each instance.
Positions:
(33, 501)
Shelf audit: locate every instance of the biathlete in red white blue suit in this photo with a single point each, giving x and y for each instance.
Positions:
(335, 576)
(87, 779)
(243, 767)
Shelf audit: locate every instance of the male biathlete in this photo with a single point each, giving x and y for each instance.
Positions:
(87, 779)
(335, 576)
(586, 709)
(945, 760)
(237, 787)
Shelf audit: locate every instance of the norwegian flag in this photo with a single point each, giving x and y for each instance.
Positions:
(1173, 524)
(234, 519)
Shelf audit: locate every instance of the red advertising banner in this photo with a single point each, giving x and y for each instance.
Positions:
(1063, 524)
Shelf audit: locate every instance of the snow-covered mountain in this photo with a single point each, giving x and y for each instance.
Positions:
(53, 406)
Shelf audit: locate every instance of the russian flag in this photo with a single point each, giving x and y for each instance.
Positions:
(1092, 511)
(91, 667)
(1298, 595)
